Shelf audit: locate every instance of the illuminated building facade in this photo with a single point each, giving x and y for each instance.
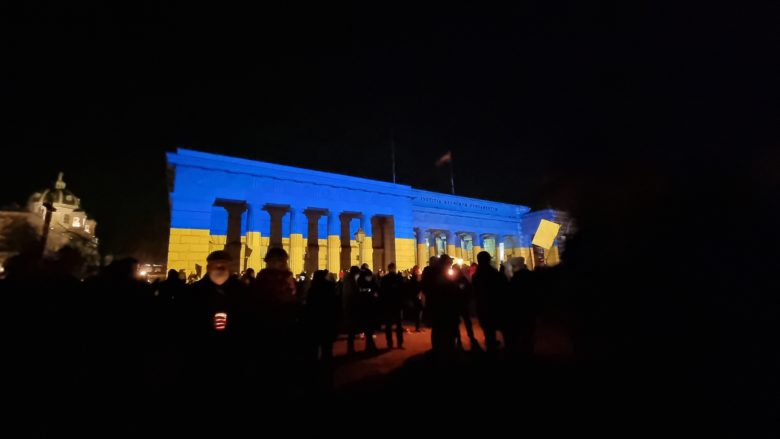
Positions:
(67, 217)
(69, 224)
(329, 221)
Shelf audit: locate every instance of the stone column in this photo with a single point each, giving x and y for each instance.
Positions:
(458, 246)
(476, 243)
(312, 241)
(275, 239)
(499, 243)
(432, 250)
(297, 226)
(508, 251)
(422, 251)
(334, 243)
(450, 243)
(346, 241)
(388, 241)
(233, 242)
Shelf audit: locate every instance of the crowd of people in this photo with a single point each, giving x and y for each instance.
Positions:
(269, 330)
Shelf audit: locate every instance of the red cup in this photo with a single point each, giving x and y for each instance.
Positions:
(220, 321)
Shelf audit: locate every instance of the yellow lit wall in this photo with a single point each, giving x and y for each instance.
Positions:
(187, 247)
(404, 253)
(552, 256)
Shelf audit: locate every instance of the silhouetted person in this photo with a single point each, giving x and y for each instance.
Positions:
(116, 325)
(302, 284)
(280, 313)
(415, 298)
(170, 289)
(214, 350)
(391, 299)
(166, 308)
(248, 278)
(444, 306)
(471, 271)
(465, 295)
(368, 304)
(519, 329)
(217, 305)
(489, 287)
(350, 299)
(321, 315)
(427, 280)
(277, 287)
(54, 332)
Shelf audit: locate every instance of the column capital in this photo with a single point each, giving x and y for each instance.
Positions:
(314, 213)
(276, 211)
(234, 207)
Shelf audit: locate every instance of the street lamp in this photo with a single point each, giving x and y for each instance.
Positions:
(46, 225)
(360, 237)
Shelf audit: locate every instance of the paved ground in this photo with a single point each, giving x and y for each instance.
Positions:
(552, 343)
(362, 366)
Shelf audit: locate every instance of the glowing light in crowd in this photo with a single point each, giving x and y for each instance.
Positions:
(143, 273)
(459, 261)
(451, 272)
(220, 321)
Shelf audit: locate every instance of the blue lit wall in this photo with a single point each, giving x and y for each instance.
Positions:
(201, 178)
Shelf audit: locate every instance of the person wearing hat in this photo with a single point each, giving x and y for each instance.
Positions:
(216, 318)
(217, 296)
(276, 305)
(276, 282)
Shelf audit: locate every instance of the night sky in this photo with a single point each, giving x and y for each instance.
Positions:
(534, 101)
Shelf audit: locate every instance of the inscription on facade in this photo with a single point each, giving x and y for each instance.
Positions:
(459, 204)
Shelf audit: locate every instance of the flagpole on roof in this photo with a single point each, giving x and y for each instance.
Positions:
(452, 176)
(447, 158)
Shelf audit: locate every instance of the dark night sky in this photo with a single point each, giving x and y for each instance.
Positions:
(532, 100)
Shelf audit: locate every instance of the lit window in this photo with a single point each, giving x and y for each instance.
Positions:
(86, 228)
(76, 222)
